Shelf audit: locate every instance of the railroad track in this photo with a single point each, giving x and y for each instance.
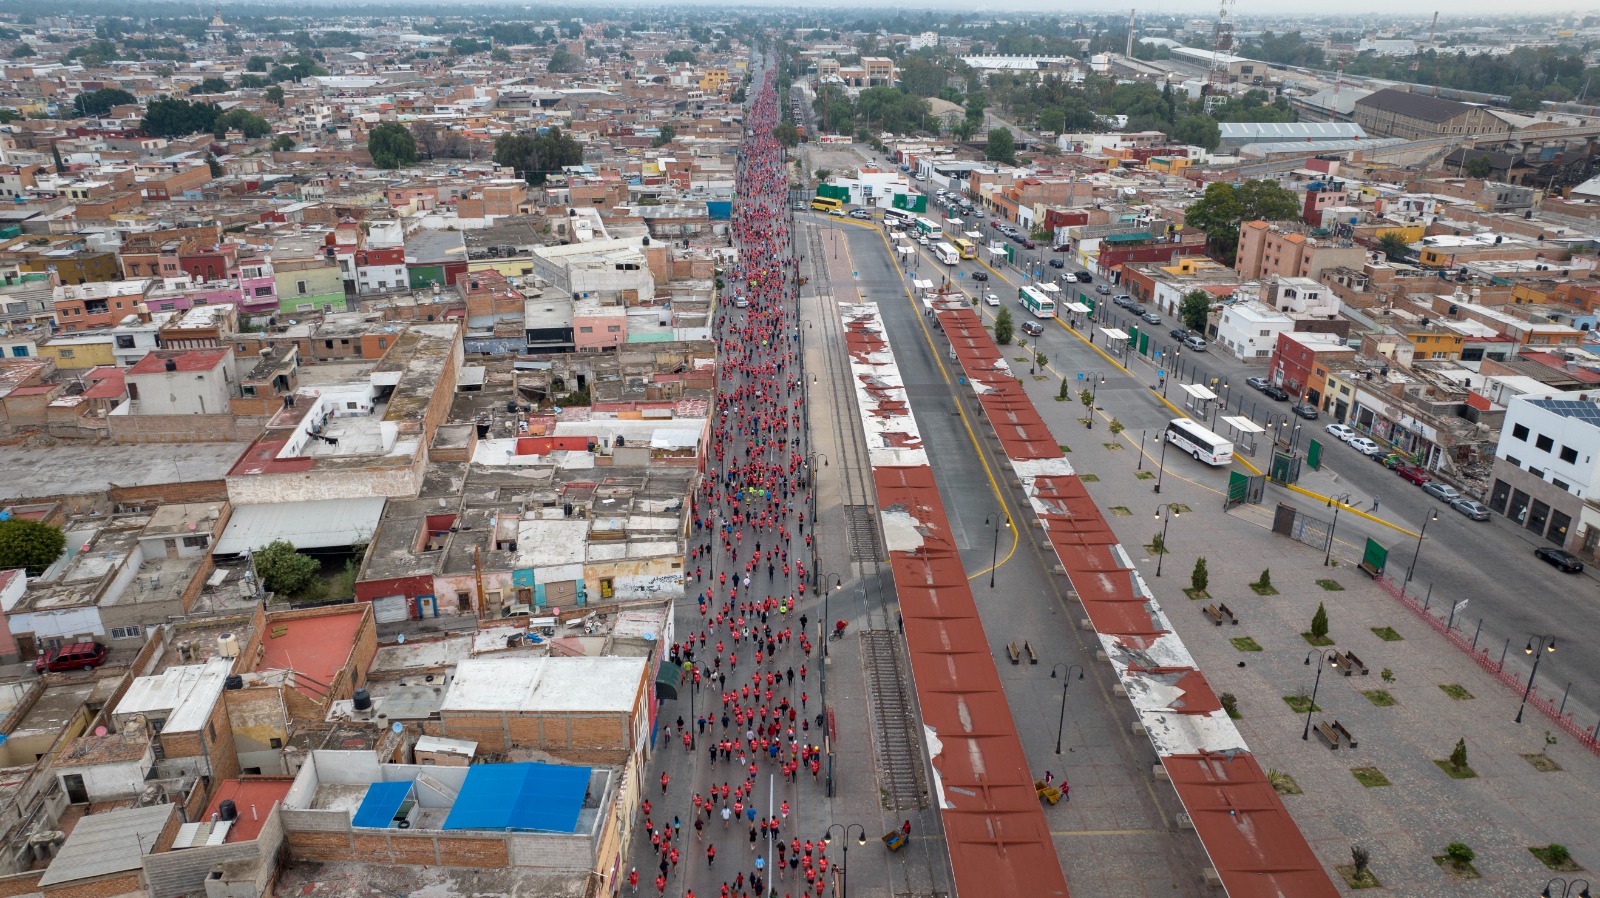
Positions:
(901, 777)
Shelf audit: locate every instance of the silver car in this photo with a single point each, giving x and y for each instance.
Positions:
(1473, 510)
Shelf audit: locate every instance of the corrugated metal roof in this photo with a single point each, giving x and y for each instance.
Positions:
(109, 842)
(1259, 131)
(317, 524)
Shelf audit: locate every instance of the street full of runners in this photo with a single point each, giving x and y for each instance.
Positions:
(754, 738)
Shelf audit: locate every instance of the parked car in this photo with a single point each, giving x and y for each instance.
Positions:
(1441, 491)
(1028, 244)
(800, 206)
(1083, 277)
(1259, 382)
(861, 214)
(1413, 474)
(1564, 561)
(1473, 510)
(1149, 318)
(1178, 333)
(1057, 263)
(1063, 248)
(1195, 343)
(980, 275)
(75, 656)
(1032, 328)
(1342, 431)
(991, 299)
(1390, 460)
(1103, 289)
(1305, 410)
(1278, 393)
(1124, 300)
(1363, 445)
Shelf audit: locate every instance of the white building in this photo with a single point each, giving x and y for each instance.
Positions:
(1304, 296)
(871, 187)
(1250, 330)
(1546, 464)
(923, 41)
(193, 382)
(610, 270)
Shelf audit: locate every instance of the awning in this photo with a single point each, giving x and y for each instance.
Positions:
(1197, 391)
(315, 524)
(955, 221)
(1242, 424)
(1112, 333)
(973, 235)
(1077, 307)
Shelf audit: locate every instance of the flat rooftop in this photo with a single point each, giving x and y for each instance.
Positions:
(254, 798)
(318, 647)
(606, 684)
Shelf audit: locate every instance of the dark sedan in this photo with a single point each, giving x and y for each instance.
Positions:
(1306, 411)
(980, 275)
(1564, 561)
(1276, 392)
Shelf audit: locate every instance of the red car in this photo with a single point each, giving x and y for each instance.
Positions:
(1413, 473)
(77, 656)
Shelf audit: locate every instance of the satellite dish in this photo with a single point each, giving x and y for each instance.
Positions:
(100, 731)
(397, 726)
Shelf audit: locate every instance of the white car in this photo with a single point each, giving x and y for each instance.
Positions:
(923, 240)
(1363, 445)
(1341, 431)
(991, 299)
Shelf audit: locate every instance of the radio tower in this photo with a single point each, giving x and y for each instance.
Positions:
(1222, 46)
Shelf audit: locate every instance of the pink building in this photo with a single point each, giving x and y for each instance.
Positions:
(599, 327)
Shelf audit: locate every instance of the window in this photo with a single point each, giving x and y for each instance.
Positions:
(1537, 472)
(1561, 485)
(585, 330)
(1544, 443)
(300, 287)
(327, 344)
(383, 342)
(248, 390)
(1569, 455)
(196, 542)
(263, 291)
(1520, 432)
(124, 341)
(275, 742)
(211, 730)
(1514, 461)
(66, 353)
(613, 328)
(132, 632)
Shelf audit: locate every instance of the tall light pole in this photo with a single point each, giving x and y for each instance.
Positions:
(1545, 644)
(861, 839)
(1566, 888)
(1325, 655)
(1165, 512)
(1432, 516)
(1142, 435)
(1066, 680)
(1172, 371)
(1096, 378)
(994, 556)
(1337, 502)
(1161, 464)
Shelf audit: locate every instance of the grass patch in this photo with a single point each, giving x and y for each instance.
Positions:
(1089, 478)
(1245, 644)
(1379, 697)
(1456, 773)
(1021, 358)
(1144, 475)
(1556, 857)
(1542, 763)
(1300, 704)
(1086, 422)
(1458, 870)
(1113, 447)
(1196, 594)
(1154, 549)
(1330, 585)
(1365, 881)
(1180, 508)
(1063, 447)
(1260, 590)
(1283, 783)
(1371, 777)
(1455, 691)
(1317, 640)
(1387, 634)
(1121, 511)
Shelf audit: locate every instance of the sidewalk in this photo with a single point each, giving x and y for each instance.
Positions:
(1509, 807)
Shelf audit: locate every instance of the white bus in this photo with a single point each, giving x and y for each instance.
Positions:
(946, 253)
(1037, 302)
(898, 218)
(928, 227)
(1197, 441)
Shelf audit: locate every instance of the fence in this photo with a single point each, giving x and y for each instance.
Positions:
(1585, 737)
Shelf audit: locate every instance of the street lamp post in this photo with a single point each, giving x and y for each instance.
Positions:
(1326, 655)
(1432, 516)
(1172, 510)
(1546, 644)
(994, 556)
(1142, 434)
(861, 839)
(1096, 378)
(1337, 502)
(1172, 371)
(688, 671)
(1566, 888)
(1161, 464)
(1066, 680)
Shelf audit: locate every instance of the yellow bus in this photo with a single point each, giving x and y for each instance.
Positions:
(968, 250)
(826, 204)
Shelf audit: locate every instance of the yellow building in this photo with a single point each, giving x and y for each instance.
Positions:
(1409, 233)
(713, 80)
(78, 352)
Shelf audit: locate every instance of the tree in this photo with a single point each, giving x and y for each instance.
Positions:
(1319, 622)
(177, 118)
(665, 137)
(500, 55)
(1224, 207)
(786, 134)
(679, 57)
(1200, 577)
(1196, 306)
(1458, 758)
(213, 165)
(563, 61)
(1198, 130)
(274, 94)
(1004, 327)
(1460, 853)
(537, 156)
(436, 142)
(55, 154)
(29, 545)
(242, 120)
(392, 146)
(282, 143)
(1002, 147)
(258, 64)
(1478, 167)
(1394, 246)
(212, 85)
(283, 570)
(99, 102)
(22, 51)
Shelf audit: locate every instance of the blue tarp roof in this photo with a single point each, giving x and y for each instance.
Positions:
(383, 800)
(540, 797)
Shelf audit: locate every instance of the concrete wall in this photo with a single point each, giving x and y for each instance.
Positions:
(224, 428)
(175, 873)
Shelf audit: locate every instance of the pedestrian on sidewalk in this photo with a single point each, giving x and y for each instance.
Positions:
(1374, 503)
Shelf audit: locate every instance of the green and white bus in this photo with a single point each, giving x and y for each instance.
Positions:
(1037, 302)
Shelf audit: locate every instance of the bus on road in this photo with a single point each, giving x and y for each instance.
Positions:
(928, 227)
(1197, 441)
(898, 218)
(946, 253)
(826, 204)
(967, 248)
(1037, 302)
